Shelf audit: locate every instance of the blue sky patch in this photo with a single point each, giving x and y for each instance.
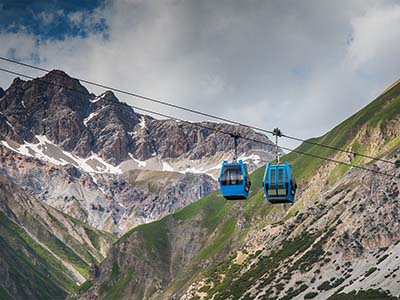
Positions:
(52, 20)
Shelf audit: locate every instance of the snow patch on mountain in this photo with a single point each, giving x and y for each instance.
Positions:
(47, 151)
(132, 134)
(209, 166)
(142, 123)
(97, 98)
(9, 124)
(256, 159)
(86, 120)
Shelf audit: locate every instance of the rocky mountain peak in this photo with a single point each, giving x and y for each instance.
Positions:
(61, 109)
(2, 92)
(55, 73)
(109, 96)
(59, 79)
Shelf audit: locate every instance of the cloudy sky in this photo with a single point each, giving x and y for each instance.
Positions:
(303, 66)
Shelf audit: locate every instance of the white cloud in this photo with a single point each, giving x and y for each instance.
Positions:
(376, 37)
(303, 66)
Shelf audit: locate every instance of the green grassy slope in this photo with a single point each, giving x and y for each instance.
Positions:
(34, 272)
(376, 114)
(34, 238)
(221, 218)
(213, 216)
(156, 242)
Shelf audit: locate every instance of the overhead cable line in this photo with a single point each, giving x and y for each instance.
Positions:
(197, 111)
(204, 126)
(338, 149)
(142, 97)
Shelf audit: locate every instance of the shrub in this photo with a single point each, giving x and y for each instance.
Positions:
(310, 295)
(370, 271)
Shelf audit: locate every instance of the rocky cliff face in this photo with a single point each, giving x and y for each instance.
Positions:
(45, 254)
(110, 202)
(339, 241)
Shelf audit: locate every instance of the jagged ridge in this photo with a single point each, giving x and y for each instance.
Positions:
(80, 123)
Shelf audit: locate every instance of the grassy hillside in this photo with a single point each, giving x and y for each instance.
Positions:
(34, 272)
(44, 253)
(214, 221)
(376, 115)
(221, 218)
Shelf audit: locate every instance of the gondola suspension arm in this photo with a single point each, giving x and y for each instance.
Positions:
(277, 133)
(236, 137)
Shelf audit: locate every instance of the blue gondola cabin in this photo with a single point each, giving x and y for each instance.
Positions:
(234, 181)
(279, 183)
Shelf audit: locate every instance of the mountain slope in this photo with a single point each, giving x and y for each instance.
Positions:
(341, 236)
(22, 261)
(107, 201)
(371, 131)
(44, 253)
